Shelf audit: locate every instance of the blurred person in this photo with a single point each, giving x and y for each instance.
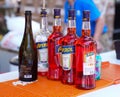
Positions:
(96, 18)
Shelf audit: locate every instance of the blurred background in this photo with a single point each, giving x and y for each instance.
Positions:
(12, 24)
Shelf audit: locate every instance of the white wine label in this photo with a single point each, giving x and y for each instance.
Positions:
(67, 57)
(42, 51)
(89, 64)
(43, 55)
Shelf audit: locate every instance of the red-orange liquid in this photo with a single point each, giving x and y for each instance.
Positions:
(84, 45)
(53, 57)
(68, 76)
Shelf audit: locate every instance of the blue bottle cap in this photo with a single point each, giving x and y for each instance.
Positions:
(43, 13)
(71, 14)
(57, 13)
(86, 15)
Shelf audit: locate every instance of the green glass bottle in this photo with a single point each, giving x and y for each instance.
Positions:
(28, 53)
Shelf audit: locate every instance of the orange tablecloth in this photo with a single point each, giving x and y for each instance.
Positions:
(48, 88)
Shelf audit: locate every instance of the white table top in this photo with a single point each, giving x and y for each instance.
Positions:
(110, 91)
(110, 56)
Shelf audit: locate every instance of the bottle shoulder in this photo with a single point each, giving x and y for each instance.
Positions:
(68, 39)
(55, 35)
(28, 48)
(85, 40)
(45, 31)
(28, 39)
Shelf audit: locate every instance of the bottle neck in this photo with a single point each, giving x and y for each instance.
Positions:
(28, 27)
(44, 23)
(57, 25)
(71, 24)
(86, 29)
(57, 22)
(71, 27)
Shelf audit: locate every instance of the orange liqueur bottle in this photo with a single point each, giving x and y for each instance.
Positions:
(85, 56)
(28, 53)
(68, 50)
(54, 48)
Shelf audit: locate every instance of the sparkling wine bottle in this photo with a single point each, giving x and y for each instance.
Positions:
(28, 53)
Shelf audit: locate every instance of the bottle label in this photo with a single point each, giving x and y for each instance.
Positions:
(89, 64)
(42, 51)
(67, 57)
(41, 45)
(26, 71)
(42, 56)
(58, 50)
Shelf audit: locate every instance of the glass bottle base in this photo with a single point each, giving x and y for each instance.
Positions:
(54, 74)
(42, 73)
